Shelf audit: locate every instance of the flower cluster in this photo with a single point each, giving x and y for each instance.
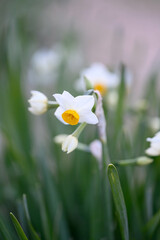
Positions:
(86, 109)
(69, 110)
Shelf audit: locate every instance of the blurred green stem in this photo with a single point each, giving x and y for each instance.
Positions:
(108, 219)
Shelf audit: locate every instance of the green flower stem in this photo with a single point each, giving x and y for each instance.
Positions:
(78, 131)
(52, 105)
(108, 218)
(136, 161)
(83, 147)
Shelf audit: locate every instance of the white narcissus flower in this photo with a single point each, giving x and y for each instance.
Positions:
(38, 103)
(154, 149)
(69, 144)
(45, 61)
(44, 66)
(99, 77)
(74, 110)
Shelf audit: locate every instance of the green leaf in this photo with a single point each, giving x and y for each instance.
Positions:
(32, 230)
(152, 225)
(4, 231)
(118, 200)
(18, 228)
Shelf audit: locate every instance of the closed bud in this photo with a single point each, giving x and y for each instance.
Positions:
(38, 103)
(69, 144)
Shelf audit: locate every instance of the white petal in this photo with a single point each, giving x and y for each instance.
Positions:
(58, 113)
(96, 149)
(38, 96)
(69, 144)
(152, 152)
(83, 103)
(59, 139)
(34, 111)
(65, 100)
(89, 118)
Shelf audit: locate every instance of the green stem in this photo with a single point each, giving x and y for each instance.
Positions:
(135, 161)
(83, 147)
(52, 105)
(78, 131)
(106, 194)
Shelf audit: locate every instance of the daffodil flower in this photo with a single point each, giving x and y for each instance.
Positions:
(100, 78)
(74, 110)
(38, 103)
(154, 149)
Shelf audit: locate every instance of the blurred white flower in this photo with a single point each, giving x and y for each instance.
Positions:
(38, 103)
(69, 144)
(154, 149)
(100, 78)
(44, 64)
(96, 149)
(154, 123)
(74, 110)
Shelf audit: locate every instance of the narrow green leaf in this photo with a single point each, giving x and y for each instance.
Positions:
(4, 231)
(32, 230)
(118, 200)
(18, 228)
(152, 225)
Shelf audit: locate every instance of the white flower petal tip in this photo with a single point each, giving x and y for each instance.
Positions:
(154, 149)
(38, 103)
(74, 110)
(69, 144)
(59, 139)
(96, 149)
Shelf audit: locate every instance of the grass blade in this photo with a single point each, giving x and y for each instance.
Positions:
(118, 200)
(18, 228)
(152, 225)
(4, 231)
(32, 230)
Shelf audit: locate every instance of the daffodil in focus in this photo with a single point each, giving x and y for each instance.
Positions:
(154, 149)
(100, 78)
(74, 110)
(38, 103)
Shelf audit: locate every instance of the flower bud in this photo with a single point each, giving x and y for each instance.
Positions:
(69, 144)
(144, 160)
(59, 139)
(38, 103)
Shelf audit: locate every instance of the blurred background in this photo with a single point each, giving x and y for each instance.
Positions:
(44, 45)
(103, 31)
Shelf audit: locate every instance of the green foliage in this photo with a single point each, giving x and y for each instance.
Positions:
(118, 200)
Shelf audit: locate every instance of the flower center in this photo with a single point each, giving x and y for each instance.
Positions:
(101, 88)
(71, 117)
